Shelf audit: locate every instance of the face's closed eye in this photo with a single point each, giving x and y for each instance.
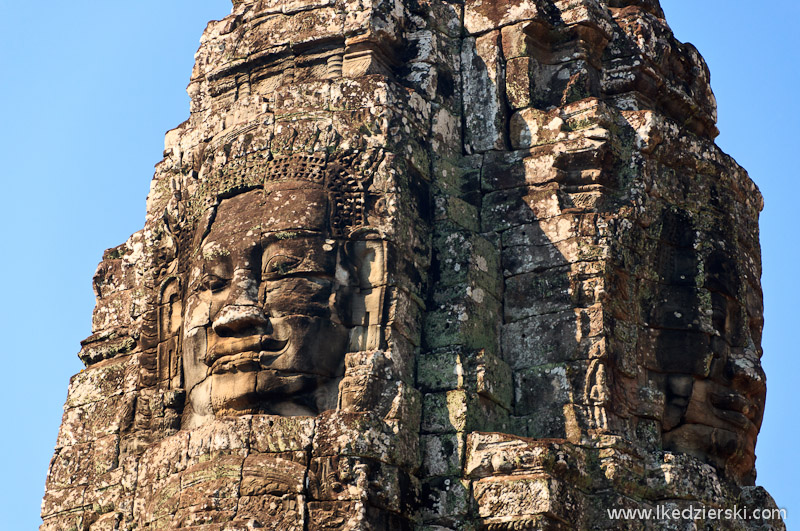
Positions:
(301, 256)
(213, 283)
(281, 265)
(214, 272)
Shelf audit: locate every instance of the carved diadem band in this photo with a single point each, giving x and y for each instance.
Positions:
(345, 190)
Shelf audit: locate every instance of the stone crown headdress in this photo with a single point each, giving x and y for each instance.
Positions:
(346, 192)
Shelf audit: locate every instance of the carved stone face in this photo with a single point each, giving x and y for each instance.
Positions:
(715, 386)
(268, 308)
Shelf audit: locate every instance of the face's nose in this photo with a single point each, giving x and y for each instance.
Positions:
(241, 314)
(743, 369)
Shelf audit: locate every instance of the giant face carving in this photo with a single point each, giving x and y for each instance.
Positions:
(271, 301)
(715, 386)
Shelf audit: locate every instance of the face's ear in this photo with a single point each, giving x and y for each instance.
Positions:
(365, 259)
(169, 321)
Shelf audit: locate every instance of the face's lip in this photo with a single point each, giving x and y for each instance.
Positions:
(734, 408)
(241, 362)
(252, 348)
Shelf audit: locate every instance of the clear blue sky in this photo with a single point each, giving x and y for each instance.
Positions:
(88, 90)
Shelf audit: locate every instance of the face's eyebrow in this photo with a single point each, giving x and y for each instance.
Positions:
(213, 251)
(212, 258)
(283, 235)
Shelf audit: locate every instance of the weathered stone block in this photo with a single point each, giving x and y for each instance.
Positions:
(505, 209)
(459, 368)
(458, 176)
(482, 81)
(493, 379)
(457, 211)
(520, 39)
(68, 500)
(83, 423)
(441, 370)
(223, 435)
(272, 512)
(170, 456)
(71, 467)
(467, 323)
(532, 127)
(405, 314)
(442, 454)
(445, 499)
(519, 81)
(542, 392)
(209, 491)
(466, 259)
(446, 130)
(551, 338)
(108, 522)
(543, 292)
(361, 434)
(99, 382)
(483, 15)
(65, 522)
(273, 434)
(513, 498)
(460, 410)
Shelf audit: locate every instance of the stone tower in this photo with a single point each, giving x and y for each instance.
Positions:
(431, 265)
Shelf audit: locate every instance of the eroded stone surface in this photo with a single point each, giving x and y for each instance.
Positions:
(427, 265)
